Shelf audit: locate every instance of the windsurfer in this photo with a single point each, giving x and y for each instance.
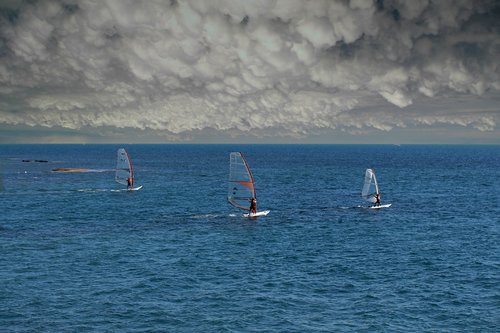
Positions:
(253, 206)
(377, 198)
(129, 183)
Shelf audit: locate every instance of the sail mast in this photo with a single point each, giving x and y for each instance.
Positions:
(375, 181)
(132, 168)
(251, 175)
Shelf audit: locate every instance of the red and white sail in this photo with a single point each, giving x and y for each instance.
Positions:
(241, 189)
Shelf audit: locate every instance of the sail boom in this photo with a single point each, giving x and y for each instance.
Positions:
(235, 204)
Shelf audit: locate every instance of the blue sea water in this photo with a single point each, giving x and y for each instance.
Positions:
(77, 254)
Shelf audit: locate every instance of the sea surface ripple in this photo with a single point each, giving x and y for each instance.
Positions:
(79, 254)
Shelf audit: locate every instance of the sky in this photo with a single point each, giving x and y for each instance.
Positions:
(250, 71)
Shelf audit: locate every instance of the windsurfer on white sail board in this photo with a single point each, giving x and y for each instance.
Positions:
(377, 198)
(130, 183)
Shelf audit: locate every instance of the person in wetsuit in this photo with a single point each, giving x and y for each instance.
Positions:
(253, 206)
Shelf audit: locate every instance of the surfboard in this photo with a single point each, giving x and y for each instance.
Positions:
(370, 190)
(241, 190)
(134, 188)
(262, 213)
(381, 206)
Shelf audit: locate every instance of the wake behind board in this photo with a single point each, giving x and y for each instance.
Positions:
(263, 213)
(381, 206)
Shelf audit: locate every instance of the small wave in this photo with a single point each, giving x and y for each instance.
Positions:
(347, 207)
(204, 216)
(96, 190)
(81, 170)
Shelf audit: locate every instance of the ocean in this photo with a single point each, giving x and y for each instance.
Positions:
(80, 254)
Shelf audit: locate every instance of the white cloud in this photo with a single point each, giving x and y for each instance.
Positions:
(274, 67)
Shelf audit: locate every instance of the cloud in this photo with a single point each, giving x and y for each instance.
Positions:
(273, 67)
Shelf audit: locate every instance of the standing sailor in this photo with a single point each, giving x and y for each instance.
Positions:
(253, 206)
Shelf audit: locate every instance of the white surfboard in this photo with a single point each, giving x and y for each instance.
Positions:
(381, 206)
(263, 213)
(134, 188)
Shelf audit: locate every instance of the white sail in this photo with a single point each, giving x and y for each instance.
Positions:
(124, 169)
(370, 187)
(241, 187)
